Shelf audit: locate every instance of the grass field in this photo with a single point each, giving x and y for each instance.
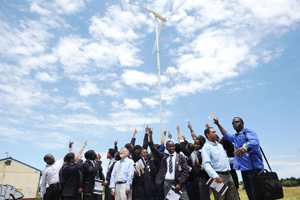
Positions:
(292, 193)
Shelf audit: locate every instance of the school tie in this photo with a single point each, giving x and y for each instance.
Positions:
(118, 171)
(196, 156)
(171, 164)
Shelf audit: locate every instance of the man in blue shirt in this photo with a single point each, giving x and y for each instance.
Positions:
(246, 146)
(122, 176)
(216, 164)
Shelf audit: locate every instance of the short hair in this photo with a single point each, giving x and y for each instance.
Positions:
(126, 149)
(128, 146)
(207, 130)
(46, 157)
(117, 154)
(190, 146)
(136, 155)
(69, 156)
(240, 119)
(168, 142)
(136, 147)
(201, 138)
(177, 148)
(89, 154)
(111, 152)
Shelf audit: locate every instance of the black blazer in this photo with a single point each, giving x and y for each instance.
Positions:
(197, 172)
(181, 167)
(146, 182)
(72, 173)
(89, 173)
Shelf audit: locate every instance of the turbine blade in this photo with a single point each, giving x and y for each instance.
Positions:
(141, 7)
(159, 31)
(175, 9)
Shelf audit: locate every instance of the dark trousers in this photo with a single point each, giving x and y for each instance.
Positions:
(190, 188)
(160, 191)
(108, 195)
(248, 179)
(53, 193)
(168, 185)
(202, 190)
(92, 197)
(77, 197)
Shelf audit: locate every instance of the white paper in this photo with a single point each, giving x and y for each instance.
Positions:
(139, 166)
(219, 187)
(212, 116)
(98, 186)
(172, 195)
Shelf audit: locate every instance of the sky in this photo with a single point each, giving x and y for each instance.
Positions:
(84, 69)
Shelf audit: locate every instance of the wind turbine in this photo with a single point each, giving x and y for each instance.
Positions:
(158, 31)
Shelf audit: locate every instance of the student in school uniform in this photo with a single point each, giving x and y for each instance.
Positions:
(91, 169)
(199, 174)
(173, 170)
(71, 171)
(145, 186)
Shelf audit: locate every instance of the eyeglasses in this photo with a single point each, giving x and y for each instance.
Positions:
(235, 122)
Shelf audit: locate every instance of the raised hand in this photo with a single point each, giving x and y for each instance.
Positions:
(85, 143)
(169, 135)
(116, 142)
(207, 125)
(178, 128)
(189, 126)
(71, 144)
(146, 129)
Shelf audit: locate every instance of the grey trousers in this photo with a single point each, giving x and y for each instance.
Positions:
(168, 185)
(231, 192)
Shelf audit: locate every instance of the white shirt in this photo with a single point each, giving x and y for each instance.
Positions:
(50, 175)
(171, 176)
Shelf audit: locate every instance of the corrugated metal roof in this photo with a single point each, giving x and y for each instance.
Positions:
(21, 163)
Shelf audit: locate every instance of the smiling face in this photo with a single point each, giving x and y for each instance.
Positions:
(237, 124)
(144, 154)
(170, 147)
(197, 145)
(124, 153)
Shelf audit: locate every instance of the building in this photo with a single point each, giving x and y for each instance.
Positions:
(18, 179)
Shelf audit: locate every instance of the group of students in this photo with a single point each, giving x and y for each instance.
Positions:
(186, 168)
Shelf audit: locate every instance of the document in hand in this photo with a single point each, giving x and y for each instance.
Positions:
(98, 186)
(212, 116)
(219, 187)
(172, 195)
(140, 166)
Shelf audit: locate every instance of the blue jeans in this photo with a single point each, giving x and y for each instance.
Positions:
(248, 179)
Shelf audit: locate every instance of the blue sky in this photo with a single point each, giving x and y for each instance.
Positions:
(84, 69)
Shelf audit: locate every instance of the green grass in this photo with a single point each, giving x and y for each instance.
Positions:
(292, 193)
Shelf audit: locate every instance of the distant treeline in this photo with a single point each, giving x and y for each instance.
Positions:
(290, 182)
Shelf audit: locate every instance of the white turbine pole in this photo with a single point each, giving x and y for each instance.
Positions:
(159, 84)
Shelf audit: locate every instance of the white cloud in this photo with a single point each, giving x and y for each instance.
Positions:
(43, 76)
(76, 105)
(132, 104)
(87, 89)
(150, 102)
(134, 78)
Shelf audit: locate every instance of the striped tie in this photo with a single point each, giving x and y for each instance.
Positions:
(171, 164)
